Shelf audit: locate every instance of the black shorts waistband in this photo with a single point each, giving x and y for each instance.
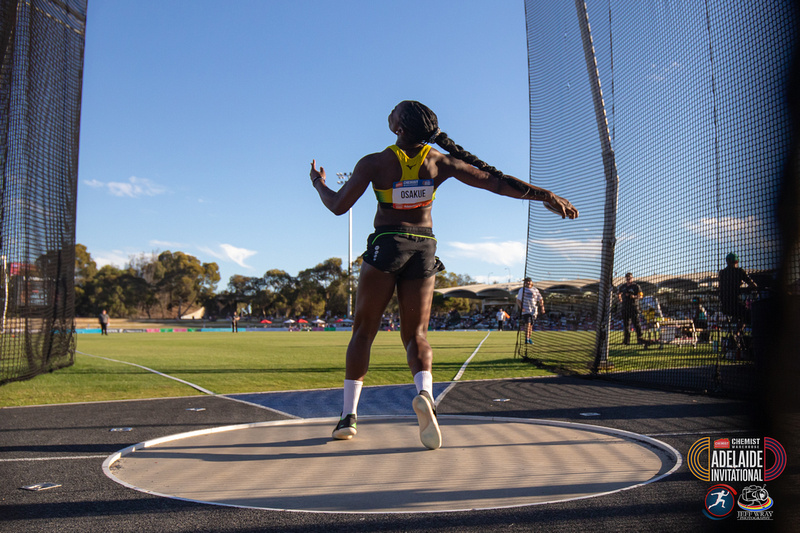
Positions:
(408, 230)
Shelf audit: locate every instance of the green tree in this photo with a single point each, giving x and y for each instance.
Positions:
(85, 271)
(323, 287)
(85, 266)
(114, 290)
(451, 279)
(144, 268)
(183, 279)
(245, 289)
(278, 293)
(308, 299)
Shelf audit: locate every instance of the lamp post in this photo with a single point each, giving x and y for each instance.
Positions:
(342, 178)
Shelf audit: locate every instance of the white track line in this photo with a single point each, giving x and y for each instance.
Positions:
(461, 371)
(705, 432)
(19, 459)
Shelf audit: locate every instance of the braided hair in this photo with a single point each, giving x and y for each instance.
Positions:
(422, 125)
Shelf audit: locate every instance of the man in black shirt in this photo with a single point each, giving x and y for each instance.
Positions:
(730, 283)
(629, 295)
(103, 323)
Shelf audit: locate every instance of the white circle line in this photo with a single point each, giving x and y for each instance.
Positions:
(643, 439)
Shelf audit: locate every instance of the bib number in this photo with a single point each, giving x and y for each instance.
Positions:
(411, 194)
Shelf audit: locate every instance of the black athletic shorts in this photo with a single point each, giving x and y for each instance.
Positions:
(526, 319)
(409, 252)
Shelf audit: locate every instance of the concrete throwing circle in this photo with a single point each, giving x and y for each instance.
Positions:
(484, 463)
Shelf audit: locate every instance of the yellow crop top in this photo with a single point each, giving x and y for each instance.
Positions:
(410, 192)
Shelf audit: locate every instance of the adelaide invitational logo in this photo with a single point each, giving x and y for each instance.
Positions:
(736, 459)
(719, 501)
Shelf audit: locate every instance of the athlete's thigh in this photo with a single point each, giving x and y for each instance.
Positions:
(415, 297)
(375, 289)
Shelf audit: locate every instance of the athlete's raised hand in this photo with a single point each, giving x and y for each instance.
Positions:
(316, 174)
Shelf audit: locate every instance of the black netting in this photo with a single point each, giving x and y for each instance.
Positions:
(40, 95)
(677, 165)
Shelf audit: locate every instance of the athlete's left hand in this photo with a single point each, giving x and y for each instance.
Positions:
(562, 206)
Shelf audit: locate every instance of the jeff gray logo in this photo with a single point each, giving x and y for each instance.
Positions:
(755, 503)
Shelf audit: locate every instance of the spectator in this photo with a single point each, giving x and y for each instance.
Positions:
(104, 323)
(730, 284)
(629, 295)
(501, 318)
(529, 300)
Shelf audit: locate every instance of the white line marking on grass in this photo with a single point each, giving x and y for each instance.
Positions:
(192, 385)
(461, 371)
(53, 458)
(197, 387)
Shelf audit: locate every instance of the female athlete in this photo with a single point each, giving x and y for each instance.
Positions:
(401, 252)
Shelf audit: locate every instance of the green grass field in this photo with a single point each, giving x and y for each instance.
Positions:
(573, 351)
(226, 363)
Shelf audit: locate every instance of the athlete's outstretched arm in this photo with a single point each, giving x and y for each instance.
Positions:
(507, 186)
(338, 202)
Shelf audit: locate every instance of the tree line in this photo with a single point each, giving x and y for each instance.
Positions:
(171, 284)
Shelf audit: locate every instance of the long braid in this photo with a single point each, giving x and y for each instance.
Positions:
(459, 153)
(422, 124)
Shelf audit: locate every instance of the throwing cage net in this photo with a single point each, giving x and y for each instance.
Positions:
(40, 94)
(674, 161)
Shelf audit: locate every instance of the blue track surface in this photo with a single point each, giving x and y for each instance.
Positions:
(379, 400)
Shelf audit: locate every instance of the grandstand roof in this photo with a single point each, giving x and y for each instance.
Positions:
(648, 284)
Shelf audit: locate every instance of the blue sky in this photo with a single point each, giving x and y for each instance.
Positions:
(200, 119)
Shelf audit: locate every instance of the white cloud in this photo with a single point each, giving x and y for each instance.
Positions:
(571, 249)
(662, 72)
(237, 255)
(166, 244)
(133, 188)
(229, 252)
(115, 258)
(727, 228)
(508, 253)
(211, 252)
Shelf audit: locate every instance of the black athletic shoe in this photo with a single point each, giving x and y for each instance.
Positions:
(346, 428)
(429, 432)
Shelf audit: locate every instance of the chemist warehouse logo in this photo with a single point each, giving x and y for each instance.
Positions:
(738, 459)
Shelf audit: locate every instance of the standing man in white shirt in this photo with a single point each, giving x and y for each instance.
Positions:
(529, 300)
(501, 318)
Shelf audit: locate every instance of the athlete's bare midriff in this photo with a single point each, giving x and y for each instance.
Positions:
(420, 217)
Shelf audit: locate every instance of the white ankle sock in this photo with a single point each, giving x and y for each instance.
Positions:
(424, 382)
(352, 392)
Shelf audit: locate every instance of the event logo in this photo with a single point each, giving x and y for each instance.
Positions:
(720, 500)
(755, 498)
(737, 459)
(755, 503)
